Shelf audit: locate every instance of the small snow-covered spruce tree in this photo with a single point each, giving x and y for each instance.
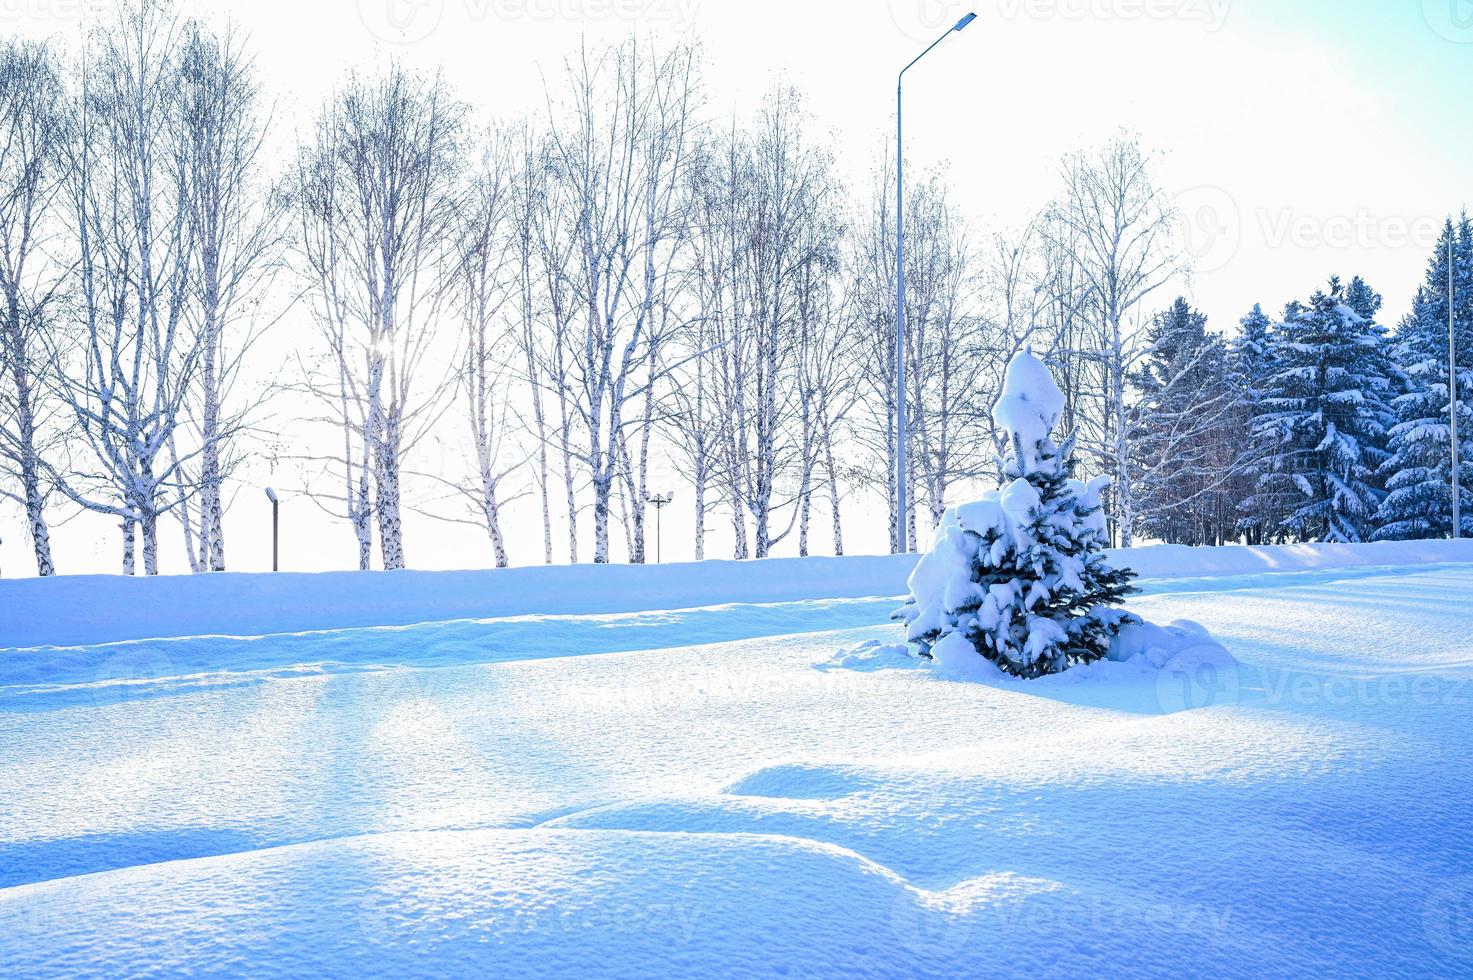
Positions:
(1019, 577)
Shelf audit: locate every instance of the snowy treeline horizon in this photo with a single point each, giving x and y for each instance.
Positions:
(527, 320)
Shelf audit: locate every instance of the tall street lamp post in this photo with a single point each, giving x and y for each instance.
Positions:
(900, 432)
(658, 502)
(275, 524)
(1452, 390)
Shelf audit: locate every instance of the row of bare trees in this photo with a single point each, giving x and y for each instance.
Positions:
(556, 305)
(137, 235)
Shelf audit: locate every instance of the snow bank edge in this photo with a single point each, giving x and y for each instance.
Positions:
(84, 609)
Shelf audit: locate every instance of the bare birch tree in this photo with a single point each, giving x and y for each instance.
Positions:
(692, 413)
(32, 153)
(523, 253)
(235, 228)
(126, 373)
(1118, 227)
(549, 323)
(620, 149)
(946, 341)
(768, 228)
(487, 282)
(709, 425)
(824, 371)
(665, 213)
(871, 278)
(377, 194)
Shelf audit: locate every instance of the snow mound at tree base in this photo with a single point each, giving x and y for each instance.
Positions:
(1181, 649)
(870, 655)
(1181, 643)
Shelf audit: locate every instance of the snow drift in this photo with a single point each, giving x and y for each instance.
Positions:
(727, 808)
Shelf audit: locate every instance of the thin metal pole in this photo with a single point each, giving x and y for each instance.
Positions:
(658, 502)
(275, 539)
(900, 467)
(902, 545)
(1452, 390)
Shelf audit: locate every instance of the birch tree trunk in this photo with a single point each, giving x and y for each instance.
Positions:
(35, 514)
(554, 252)
(1121, 479)
(23, 448)
(211, 476)
(128, 548)
(150, 525)
(386, 497)
(805, 478)
(832, 472)
(359, 517)
(492, 514)
(700, 479)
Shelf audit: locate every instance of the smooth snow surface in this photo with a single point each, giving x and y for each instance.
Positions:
(479, 797)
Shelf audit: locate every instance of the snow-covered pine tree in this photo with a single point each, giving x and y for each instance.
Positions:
(1418, 503)
(1184, 424)
(1253, 346)
(1364, 300)
(1251, 363)
(1325, 415)
(1019, 577)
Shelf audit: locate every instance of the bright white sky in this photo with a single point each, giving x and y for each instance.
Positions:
(1302, 137)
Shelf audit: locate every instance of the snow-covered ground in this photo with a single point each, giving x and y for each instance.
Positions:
(762, 784)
